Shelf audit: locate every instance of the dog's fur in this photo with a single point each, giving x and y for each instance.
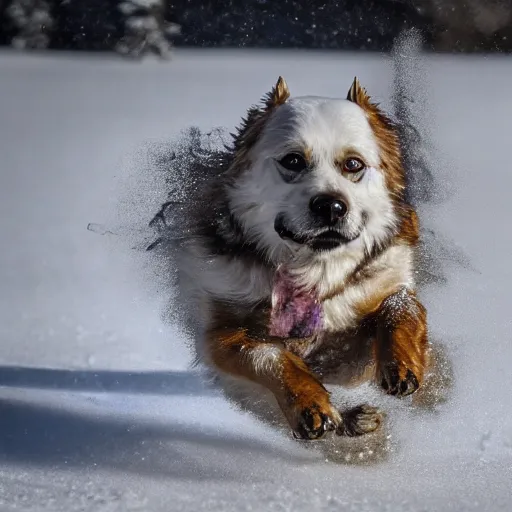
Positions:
(373, 325)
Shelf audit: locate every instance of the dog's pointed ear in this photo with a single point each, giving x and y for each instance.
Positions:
(278, 95)
(357, 94)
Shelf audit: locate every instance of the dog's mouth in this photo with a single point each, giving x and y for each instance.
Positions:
(328, 240)
(287, 234)
(323, 241)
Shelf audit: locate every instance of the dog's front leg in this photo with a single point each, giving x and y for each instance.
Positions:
(401, 349)
(303, 399)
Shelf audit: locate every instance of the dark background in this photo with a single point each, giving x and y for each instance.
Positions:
(135, 27)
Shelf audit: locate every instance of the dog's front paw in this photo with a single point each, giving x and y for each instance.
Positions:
(398, 380)
(359, 421)
(309, 411)
(314, 421)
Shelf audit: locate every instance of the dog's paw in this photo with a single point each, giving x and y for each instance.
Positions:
(309, 410)
(314, 421)
(359, 421)
(398, 381)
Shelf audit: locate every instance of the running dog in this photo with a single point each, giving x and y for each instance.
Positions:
(301, 260)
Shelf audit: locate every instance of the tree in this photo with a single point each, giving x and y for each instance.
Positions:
(146, 29)
(31, 21)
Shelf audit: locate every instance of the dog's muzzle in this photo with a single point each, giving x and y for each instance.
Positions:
(317, 241)
(285, 233)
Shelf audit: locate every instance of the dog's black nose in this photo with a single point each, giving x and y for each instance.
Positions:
(329, 208)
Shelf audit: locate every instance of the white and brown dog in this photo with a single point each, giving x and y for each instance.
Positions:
(301, 258)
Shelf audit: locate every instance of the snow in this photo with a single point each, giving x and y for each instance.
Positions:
(99, 410)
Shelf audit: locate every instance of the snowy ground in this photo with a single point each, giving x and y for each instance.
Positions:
(98, 410)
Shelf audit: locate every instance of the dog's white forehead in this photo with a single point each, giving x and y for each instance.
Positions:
(325, 126)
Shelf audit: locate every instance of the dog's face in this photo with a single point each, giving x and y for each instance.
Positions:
(317, 179)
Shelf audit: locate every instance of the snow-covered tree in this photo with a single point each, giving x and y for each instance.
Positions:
(32, 22)
(146, 29)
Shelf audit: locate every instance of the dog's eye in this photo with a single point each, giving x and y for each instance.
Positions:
(294, 162)
(353, 169)
(353, 165)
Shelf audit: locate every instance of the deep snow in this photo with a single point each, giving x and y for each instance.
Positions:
(103, 414)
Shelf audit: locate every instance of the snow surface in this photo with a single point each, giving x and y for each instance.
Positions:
(98, 408)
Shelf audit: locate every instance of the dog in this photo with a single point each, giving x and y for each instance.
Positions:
(298, 267)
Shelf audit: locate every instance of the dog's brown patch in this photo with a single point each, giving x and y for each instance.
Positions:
(409, 228)
(387, 138)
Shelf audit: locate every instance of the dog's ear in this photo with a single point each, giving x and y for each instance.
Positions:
(252, 125)
(358, 94)
(278, 95)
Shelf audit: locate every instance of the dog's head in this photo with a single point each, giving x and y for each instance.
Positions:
(316, 176)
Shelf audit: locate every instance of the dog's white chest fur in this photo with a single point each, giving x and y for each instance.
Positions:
(387, 274)
(233, 281)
